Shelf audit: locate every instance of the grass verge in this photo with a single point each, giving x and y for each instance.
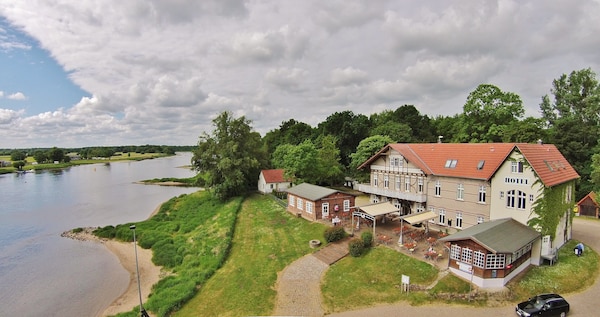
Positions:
(266, 240)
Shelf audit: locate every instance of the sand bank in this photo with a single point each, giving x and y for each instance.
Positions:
(149, 273)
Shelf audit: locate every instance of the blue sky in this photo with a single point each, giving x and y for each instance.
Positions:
(32, 72)
(112, 72)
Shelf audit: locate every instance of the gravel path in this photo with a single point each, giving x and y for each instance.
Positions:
(299, 292)
(299, 288)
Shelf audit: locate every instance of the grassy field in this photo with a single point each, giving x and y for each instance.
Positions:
(266, 240)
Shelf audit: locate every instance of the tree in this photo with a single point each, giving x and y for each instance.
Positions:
(289, 132)
(367, 148)
(488, 113)
(230, 157)
(40, 156)
(399, 132)
(348, 128)
(17, 155)
(56, 155)
(330, 169)
(573, 118)
(300, 162)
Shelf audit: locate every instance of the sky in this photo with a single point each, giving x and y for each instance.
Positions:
(102, 73)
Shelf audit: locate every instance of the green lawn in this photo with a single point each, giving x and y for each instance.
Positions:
(266, 240)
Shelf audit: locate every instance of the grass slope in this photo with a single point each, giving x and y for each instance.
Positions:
(266, 240)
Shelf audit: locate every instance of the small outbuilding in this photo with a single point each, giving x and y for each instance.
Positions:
(273, 180)
(588, 206)
(315, 202)
(490, 254)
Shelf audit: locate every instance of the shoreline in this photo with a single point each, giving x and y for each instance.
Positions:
(150, 273)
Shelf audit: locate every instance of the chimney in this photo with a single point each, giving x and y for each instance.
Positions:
(440, 137)
(539, 141)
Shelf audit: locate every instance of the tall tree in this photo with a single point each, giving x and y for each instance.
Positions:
(488, 113)
(290, 132)
(367, 148)
(348, 128)
(300, 162)
(331, 171)
(230, 157)
(573, 118)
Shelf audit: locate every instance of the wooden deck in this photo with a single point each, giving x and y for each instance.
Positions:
(332, 252)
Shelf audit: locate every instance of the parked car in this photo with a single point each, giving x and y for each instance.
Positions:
(543, 305)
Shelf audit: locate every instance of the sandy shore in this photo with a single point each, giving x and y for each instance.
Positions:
(149, 273)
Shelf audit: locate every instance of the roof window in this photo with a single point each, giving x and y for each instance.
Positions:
(451, 163)
(480, 164)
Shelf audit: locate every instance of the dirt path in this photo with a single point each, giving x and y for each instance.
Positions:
(298, 297)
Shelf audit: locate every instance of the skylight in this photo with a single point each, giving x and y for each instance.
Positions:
(451, 163)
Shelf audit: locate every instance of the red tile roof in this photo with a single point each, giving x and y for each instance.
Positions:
(274, 176)
(482, 160)
(548, 163)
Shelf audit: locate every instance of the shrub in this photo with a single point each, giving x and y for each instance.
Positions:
(333, 234)
(367, 238)
(356, 247)
(107, 232)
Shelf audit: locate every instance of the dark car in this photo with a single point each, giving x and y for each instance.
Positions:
(543, 305)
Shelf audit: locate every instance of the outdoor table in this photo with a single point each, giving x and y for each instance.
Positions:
(431, 240)
(431, 255)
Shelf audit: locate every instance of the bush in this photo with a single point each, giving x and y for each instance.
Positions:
(333, 234)
(367, 238)
(356, 247)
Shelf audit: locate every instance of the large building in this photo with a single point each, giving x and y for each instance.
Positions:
(465, 184)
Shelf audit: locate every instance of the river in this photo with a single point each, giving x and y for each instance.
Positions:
(44, 274)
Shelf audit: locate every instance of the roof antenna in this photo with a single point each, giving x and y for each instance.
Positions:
(440, 137)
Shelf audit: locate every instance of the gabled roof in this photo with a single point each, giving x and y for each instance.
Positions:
(274, 176)
(311, 192)
(498, 236)
(548, 163)
(481, 160)
(591, 196)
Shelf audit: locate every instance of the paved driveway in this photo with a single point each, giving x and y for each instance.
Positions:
(582, 304)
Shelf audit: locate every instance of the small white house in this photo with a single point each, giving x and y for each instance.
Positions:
(272, 180)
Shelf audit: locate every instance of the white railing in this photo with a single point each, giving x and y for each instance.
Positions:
(399, 194)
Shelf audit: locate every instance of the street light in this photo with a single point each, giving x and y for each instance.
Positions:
(137, 270)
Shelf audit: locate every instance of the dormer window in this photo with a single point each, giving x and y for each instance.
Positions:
(451, 163)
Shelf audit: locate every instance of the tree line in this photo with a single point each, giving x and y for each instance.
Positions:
(232, 156)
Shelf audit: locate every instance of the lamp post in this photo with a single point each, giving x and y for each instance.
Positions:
(143, 312)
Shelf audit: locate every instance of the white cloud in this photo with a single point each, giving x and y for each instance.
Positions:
(17, 96)
(158, 71)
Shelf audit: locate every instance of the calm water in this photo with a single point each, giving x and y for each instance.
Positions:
(43, 274)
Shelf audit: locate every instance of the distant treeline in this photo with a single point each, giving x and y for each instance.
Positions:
(103, 151)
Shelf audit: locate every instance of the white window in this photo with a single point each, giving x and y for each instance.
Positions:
(325, 208)
(420, 207)
(407, 183)
(346, 205)
(455, 252)
(309, 207)
(480, 219)
(396, 162)
(494, 261)
(375, 180)
(530, 197)
(510, 199)
(459, 219)
(292, 200)
(300, 203)
(482, 191)
(386, 181)
(460, 192)
(516, 167)
(398, 182)
(521, 199)
(438, 188)
(420, 184)
(442, 217)
(479, 259)
(466, 255)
